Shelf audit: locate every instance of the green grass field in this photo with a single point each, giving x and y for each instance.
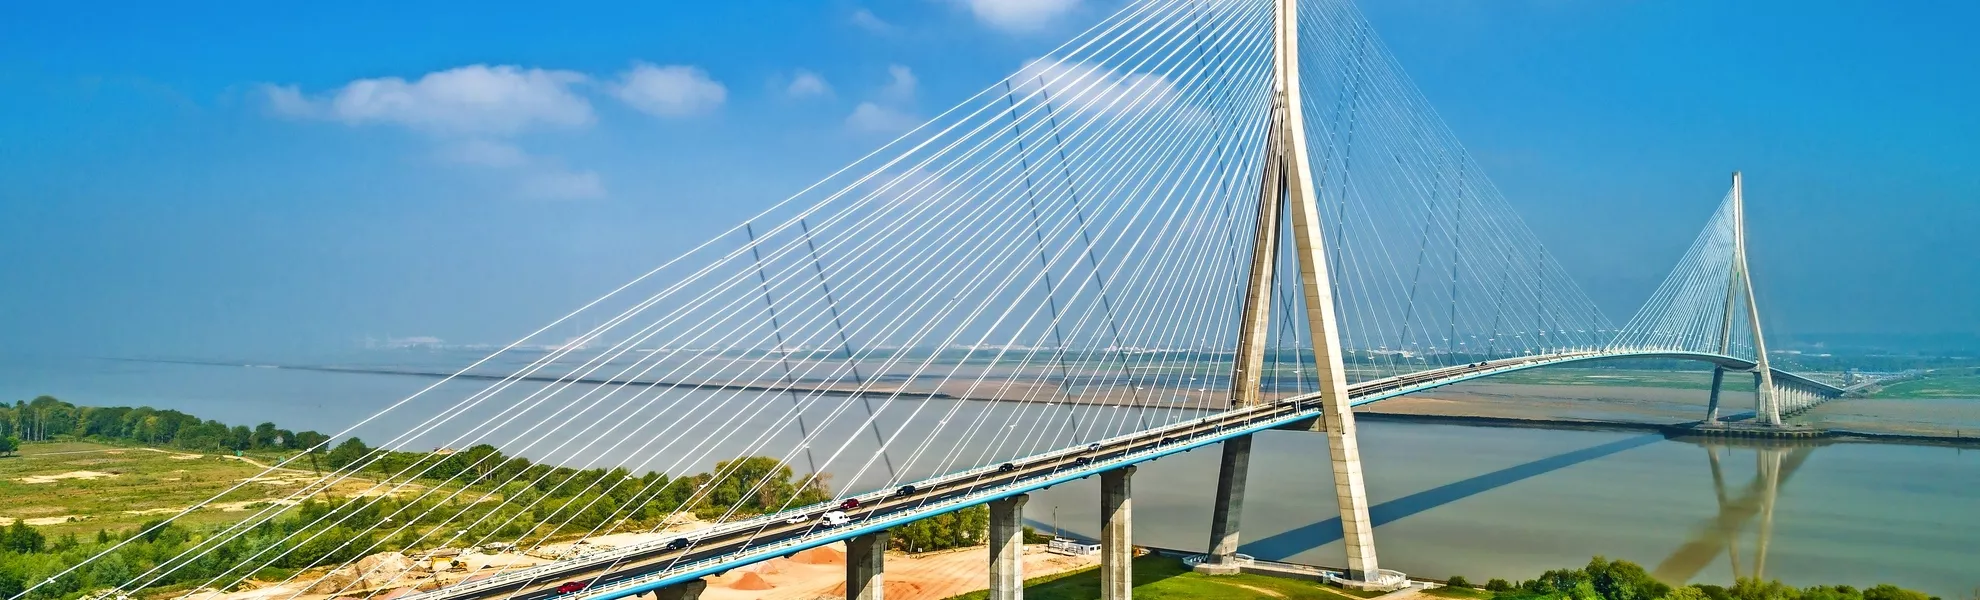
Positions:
(1934, 386)
(80, 487)
(1157, 578)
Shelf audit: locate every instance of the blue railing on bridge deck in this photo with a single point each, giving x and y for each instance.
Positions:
(1360, 393)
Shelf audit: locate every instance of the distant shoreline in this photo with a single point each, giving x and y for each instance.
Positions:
(1832, 435)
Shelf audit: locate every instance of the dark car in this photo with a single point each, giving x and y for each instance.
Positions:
(906, 490)
(679, 544)
(1006, 468)
(849, 504)
(572, 587)
(1082, 461)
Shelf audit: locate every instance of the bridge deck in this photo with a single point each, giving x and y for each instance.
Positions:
(637, 569)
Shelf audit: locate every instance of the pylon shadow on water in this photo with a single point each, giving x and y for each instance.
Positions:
(1289, 543)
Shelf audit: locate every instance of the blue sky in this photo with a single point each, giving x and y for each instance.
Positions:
(226, 179)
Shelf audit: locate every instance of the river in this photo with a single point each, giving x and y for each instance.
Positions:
(1447, 500)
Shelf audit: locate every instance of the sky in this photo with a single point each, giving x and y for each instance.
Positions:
(226, 180)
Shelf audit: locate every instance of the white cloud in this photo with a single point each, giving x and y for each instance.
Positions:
(901, 86)
(475, 99)
(807, 84)
(471, 113)
(560, 184)
(1020, 15)
(865, 19)
(1086, 87)
(669, 91)
(874, 118)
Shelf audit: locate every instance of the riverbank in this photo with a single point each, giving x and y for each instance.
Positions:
(1660, 408)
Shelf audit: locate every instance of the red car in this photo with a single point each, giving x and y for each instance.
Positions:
(849, 504)
(572, 587)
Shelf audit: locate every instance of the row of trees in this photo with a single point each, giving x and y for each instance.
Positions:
(959, 529)
(47, 418)
(328, 531)
(536, 502)
(1604, 579)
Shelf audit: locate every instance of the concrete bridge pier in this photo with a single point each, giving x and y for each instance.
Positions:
(1712, 407)
(865, 563)
(1007, 548)
(1231, 473)
(1116, 535)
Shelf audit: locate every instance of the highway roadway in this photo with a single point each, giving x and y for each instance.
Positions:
(636, 569)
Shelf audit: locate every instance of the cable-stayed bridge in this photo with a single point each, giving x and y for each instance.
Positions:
(1195, 221)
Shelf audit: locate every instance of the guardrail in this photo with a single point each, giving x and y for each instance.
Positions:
(1104, 455)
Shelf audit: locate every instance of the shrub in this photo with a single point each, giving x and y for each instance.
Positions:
(1458, 581)
(1498, 585)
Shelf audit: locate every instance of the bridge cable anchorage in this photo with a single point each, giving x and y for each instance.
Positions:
(1080, 224)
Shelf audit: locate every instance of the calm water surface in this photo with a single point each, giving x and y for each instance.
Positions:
(1481, 502)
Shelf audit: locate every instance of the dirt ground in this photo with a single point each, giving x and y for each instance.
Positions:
(929, 576)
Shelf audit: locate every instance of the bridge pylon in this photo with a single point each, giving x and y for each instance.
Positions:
(1288, 187)
(1766, 400)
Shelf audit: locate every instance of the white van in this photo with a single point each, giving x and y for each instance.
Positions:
(834, 518)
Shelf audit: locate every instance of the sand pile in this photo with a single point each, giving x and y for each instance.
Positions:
(768, 567)
(820, 556)
(750, 581)
(890, 589)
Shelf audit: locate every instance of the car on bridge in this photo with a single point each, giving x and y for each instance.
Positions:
(834, 519)
(572, 587)
(849, 504)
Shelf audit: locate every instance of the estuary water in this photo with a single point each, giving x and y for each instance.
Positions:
(1447, 500)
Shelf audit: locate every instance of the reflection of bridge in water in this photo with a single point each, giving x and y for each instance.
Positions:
(1776, 461)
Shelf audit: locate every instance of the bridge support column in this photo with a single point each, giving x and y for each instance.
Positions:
(1007, 548)
(1222, 559)
(865, 563)
(1761, 398)
(1712, 407)
(1116, 535)
(690, 590)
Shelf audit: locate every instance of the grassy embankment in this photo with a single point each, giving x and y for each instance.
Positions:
(1935, 385)
(81, 487)
(1156, 578)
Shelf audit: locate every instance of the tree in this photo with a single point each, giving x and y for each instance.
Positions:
(1623, 580)
(1891, 592)
(265, 436)
(9, 445)
(758, 484)
(22, 538)
(239, 438)
(960, 529)
(11, 585)
(1687, 593)
(348, 453)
